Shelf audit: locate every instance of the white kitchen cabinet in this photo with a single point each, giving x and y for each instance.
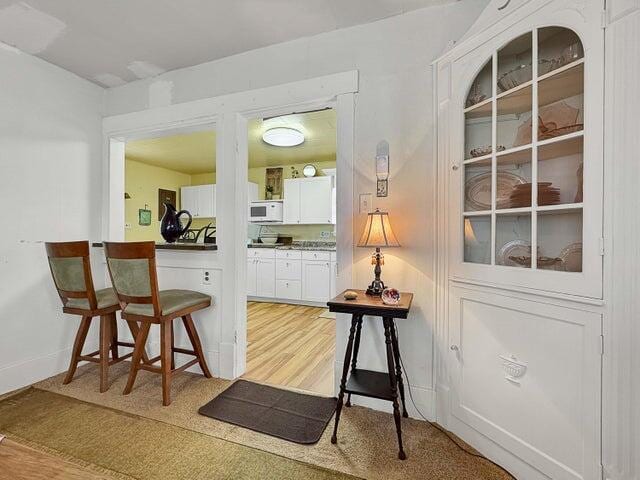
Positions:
(199, 200)
(288, 269)
(334, 279)
(265, 277)
(289, 289)
(316, 280)
(308, 201)
(291, 203)
(252, 278)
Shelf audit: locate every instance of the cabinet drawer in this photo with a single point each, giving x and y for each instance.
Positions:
(313, 255)
(289, 289)
(261, 253)
(289, 254)
(288, 269)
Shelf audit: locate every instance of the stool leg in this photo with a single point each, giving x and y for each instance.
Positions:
(138, 351)
(81, 336)
(173, 355)
(394, 386)
(105, 344)
(114, 337)
(135, 331)
(356, 349)
(165, 360)
(343, 381)
(197, 346)
(396, 356)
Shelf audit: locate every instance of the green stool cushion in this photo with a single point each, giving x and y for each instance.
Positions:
(106, 297)
(170, 301)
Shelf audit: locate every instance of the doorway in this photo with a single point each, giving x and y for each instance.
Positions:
(291, 250)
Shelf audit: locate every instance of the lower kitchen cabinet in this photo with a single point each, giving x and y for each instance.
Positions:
(305, 276)
(266, 277)
(316, 280)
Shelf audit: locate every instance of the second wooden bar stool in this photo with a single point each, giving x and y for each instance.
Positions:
(132, 266)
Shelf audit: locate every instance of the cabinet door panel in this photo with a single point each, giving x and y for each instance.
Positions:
(251, 278)
(316, 281)
(527, 375)
(206, 201)
(288, 269)
(291, 204)
(289, 289)
(315, 200)
(189, 200)
(266, 278)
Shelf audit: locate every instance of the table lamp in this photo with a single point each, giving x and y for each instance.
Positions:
(377, 233)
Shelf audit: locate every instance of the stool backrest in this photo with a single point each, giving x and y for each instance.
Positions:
(71, 271)
(132, 267)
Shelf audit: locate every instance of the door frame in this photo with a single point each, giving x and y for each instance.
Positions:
(229, 113)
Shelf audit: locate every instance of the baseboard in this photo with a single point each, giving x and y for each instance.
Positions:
(28, 372)
(424, 398)
(287, 301)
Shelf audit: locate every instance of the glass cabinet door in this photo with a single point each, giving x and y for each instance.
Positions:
(523, 155)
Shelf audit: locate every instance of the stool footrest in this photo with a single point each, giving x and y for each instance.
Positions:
(184, 350)
(185, 366)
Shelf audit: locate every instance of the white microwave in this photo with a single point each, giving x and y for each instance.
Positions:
(268, 211)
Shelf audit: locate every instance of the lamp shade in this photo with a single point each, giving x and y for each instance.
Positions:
(377, 232)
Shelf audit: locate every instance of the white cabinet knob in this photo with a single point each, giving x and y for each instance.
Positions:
(455, 167)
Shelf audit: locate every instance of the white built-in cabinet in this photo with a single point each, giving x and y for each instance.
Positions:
(309, 200)
(298, 275)
(200, 200)
(519, 125)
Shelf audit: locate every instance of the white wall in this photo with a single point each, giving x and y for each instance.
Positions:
(50, 182)
(394, 104)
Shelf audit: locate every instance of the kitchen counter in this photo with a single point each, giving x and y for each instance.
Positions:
(305, 245)
(178, 246)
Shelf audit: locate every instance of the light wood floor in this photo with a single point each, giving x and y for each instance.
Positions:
(18, 462)
(290, 346)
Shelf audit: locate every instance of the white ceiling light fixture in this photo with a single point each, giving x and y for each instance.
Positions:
(283, 137)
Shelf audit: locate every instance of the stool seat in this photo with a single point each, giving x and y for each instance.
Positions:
(106, 297)
(170, 301)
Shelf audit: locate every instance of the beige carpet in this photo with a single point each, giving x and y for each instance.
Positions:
(366, 438)
(128, 446)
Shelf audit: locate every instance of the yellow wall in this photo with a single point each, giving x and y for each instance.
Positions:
(142, 183)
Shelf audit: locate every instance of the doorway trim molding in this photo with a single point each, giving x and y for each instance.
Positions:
(229, 114)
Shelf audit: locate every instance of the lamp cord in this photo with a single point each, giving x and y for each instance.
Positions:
(435, 425)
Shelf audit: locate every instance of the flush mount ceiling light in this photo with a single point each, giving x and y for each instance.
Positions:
(283, 137)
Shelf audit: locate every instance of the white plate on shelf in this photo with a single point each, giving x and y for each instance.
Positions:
(477, 190)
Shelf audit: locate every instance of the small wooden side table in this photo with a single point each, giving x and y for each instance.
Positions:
(368, 383)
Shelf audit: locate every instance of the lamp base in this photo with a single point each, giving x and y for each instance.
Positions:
(376, 288)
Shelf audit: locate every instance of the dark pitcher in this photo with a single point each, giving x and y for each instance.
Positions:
(170, 226)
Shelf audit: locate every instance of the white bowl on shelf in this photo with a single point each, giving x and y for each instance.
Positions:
(269, 240)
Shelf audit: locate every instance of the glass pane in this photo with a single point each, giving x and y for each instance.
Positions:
(560, 240)
(513, 240)
(477, 239)
(477, 132)
(477, 186)
(514, 180)
(514, 63)
(514, 119)
(560, 172)
(561, 103)
(557, 47)
(481, 87)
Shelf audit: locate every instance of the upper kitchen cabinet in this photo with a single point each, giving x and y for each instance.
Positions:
(526, 157)
(308, 200)
(199, 200)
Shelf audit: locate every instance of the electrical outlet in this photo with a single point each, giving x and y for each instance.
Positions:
(206, 277)
(127, 226)
(325, 234)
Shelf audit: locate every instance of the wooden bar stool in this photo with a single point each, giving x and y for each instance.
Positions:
(132, 266)
(71, 271)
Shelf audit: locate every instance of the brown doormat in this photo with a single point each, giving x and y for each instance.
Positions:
(280, 413)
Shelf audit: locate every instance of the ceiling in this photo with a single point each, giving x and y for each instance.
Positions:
(117, 41)
(195, 153)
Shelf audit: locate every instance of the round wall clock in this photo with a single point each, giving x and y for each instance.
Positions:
(309, 170)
